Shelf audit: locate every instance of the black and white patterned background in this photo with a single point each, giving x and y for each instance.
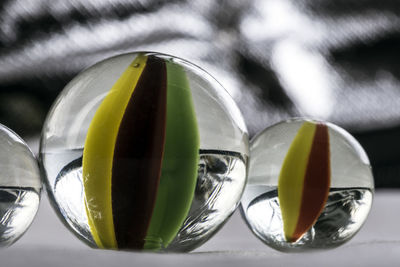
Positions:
(332, 60)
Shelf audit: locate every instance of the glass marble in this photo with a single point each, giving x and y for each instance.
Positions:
(144, 151)
(310, 186)
(20, 187)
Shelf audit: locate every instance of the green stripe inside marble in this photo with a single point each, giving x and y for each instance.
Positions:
(180, 162)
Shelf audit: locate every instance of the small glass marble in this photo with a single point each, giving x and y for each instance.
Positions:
(310, 186)
(20, 187)
(144, 151)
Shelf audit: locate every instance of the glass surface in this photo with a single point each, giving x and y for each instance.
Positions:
(144, 151)
(324, 214)
(20, 187)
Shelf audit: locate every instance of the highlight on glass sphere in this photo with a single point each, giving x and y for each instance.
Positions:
(310, 186)
(20, 187)
(144, 151)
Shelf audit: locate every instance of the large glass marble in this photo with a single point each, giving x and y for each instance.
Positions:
(144, 151)
(310, 186)
(20, 186)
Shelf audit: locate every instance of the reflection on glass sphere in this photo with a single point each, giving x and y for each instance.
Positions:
(20, 187)
(144, 151)
(310, 186)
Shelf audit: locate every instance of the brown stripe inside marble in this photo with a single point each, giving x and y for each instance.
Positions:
(316, 182)
(138, 156)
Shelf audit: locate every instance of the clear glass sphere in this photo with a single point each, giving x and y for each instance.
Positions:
(310, 186)
(144, 151)
(20, 187)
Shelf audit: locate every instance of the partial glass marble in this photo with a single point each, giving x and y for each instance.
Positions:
(310, 186)
(20, 187)
(144, 151)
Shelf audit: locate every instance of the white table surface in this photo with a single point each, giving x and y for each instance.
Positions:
(49, 243)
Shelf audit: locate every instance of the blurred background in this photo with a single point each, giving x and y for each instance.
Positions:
(332, 60)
